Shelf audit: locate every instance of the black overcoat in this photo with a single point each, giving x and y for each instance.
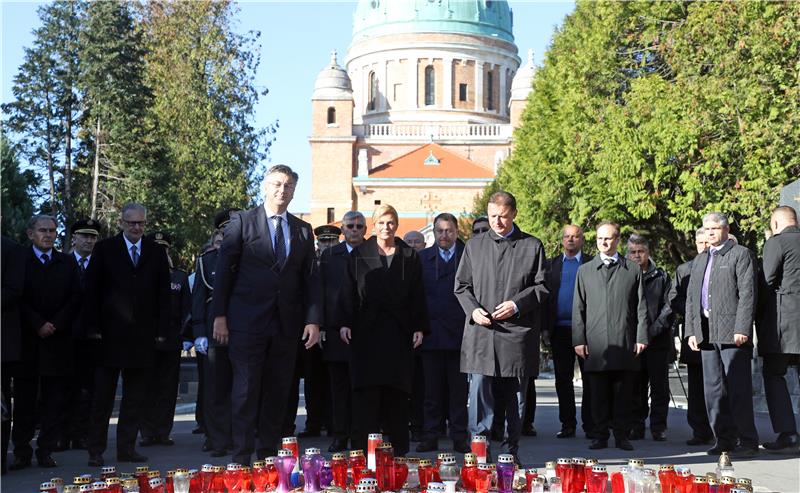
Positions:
(609, 314)
(202, 294)
(444, 311)
(677, 300)
(127, 306)
(12, 265)
(179, 311)
(52, 294)
(383, 307)
(333, 269)
(494, 269)
(779, 321)
(657, 287)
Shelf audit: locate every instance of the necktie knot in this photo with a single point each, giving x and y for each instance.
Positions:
(134, 255)
(45, 258)
(280, 241)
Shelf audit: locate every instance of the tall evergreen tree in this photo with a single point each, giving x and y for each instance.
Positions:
(18, 192)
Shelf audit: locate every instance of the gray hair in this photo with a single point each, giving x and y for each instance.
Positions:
(699, 232)
(41, 217)
(637, 239)
(133, 206)
(350, 215)
(716, 217)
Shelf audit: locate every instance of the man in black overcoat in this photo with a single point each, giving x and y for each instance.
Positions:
(266, 295)
(213, 360)
(500, 285)
(561, 274)
(127, 305)
(720, 308)
(779, 325)
(609, 330)
(49, 305)
(336, 354)
(12, 265)
(696, 414)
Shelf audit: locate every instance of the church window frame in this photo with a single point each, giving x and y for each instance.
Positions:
(331, 117)
(372, 88)
(430, 86)
(463, 90)
(490, 91)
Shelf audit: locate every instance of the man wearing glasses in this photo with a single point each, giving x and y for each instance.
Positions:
(266, 295)
(127, 308)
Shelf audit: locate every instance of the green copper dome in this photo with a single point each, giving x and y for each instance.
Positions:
(479, 17)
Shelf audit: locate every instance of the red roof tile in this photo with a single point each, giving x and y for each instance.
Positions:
(412, 165)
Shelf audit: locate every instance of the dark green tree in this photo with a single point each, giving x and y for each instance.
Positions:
(18, 192)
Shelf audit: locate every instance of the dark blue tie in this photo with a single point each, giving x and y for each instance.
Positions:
(134, 255)
(45, 258)
(280, 243)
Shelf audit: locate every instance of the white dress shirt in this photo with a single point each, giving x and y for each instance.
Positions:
(271, 223)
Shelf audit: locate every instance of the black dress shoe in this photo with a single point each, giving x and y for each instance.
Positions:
(427, 446)
(718, 449)
(623, 444)
(147, 442)
(132, 456)
(45, 460)
(20, 463)
(166, 441)
(338, 445)
(660, 436)
(636, 435)
(598, 444)
(743, 452)
(219, 453)
(698, 441)
(96, 461)
(199, 431)
(787, 444)
(309, 432)
(529, 430)
(461, 446)
(566, 433)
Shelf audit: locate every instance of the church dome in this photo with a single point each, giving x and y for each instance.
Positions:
(477, 17)
(522, 85)
(333, 83)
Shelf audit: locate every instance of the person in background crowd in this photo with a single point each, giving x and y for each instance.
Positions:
(266, 295)
(609, 331)
(217, 375)
(480, 225)
(127, 305)
(75, 428)
(383, 316)
(500, 285)
(446, 388)
(12, 265)
(561, 273)
(327, 236)
(159, 411)
(336, 354)
(416, 240)
(656, 358)
(49, 304)
(696, 414)
(720, 307)
(779, 325)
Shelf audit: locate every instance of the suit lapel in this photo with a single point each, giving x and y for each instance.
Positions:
(122, 250)
(265, 238)
(295, 237)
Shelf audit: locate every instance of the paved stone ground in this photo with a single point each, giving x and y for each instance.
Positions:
(770, 473)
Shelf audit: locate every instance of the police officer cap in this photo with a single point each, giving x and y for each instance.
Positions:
(223, 217)
(162, 238)
(327, 232)
(86, 226)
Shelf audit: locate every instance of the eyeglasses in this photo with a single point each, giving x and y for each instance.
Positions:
(479, 230)
(134, 224)
(354, 226)
(278, 184)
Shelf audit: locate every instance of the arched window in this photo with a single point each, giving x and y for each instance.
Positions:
(373, 91)
(331, 115)
(490, 91)
(430, 86)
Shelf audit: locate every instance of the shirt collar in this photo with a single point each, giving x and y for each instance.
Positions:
(128, 244)
(349, 248)
(576, 257)
(513, 228)
(452, 250)
(78, 256)
(614, 257)
(39, 253)
(270, 213)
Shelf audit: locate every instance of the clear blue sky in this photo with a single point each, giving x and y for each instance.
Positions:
(296, 40)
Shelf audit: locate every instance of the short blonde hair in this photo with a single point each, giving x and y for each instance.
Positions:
(384, 209)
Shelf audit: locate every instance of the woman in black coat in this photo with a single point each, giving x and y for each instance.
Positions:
(383, 316)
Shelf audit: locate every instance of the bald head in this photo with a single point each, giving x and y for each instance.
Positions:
(783, 217)
(415, 240)
(572, 240)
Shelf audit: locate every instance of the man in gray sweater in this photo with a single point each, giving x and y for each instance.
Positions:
(720, 308)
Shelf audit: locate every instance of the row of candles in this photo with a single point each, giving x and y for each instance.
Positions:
(381, 471)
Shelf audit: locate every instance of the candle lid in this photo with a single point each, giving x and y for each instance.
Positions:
(549, 465)
(579, 461)
(485, 467)
(113, 481)
(356, 453)
(700, 479)
(313, 451)
(269, 461)
(728, 480)
(375, 436)
(505, 458)
(47, 485)
(599, 468)
(259, 463)
(154, 474)
(478, 438)
(286, 440)
(425, 462)
(284, 452)
(636, 462)
(338, 456)
(564, 461)
(666, 467)
(234, 466)
(592, 462)
(745, 481)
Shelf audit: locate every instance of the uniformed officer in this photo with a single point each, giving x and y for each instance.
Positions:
(159, 413)
(85, 234)
(216, 367)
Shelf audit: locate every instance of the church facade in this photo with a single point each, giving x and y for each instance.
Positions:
(422, 113)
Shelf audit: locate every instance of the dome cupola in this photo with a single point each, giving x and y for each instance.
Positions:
(333, 83)
(522, 85)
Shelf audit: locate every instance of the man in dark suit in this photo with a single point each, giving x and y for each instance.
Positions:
(215, 365)
(609, 331)
(335, 353)
(13, 277)
(127, 306)
(49, 304)
(159, 411)
(720, 308)
(779, 325)
(561, 274)
(651, 386)
(446, 388)
(266, 290)
(696, 414)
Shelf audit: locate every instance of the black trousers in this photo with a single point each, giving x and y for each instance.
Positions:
(310, 367)
(728, 388)
(5, 385)
(612, 393)
(501, 404)
(651, 391)
(218, 381)
(376, 406)
(159, 411)
(341, 399)
(131, 410)
(446, 388)
(564, 368)
(417, 402)
(260, 390)
(696, 413)
(79, 400)
(199, 407)
(778, 401)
